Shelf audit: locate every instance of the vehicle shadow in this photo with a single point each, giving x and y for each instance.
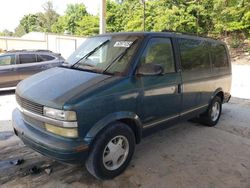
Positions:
(8, 92)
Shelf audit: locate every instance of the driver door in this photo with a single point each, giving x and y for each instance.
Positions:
(161, 96)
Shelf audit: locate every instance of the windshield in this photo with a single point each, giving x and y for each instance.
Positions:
(104, 54)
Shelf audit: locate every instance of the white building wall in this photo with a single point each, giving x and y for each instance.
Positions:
(63, 44)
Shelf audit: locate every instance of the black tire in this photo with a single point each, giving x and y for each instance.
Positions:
(95, 163)
(208, 117)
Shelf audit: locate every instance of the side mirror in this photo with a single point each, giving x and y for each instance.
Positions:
(150, 69)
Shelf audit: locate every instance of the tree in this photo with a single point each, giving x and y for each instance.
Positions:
(60, 26)
(19, 31)
(89, 25)
(204, 17)
(230, 17)
(113, 18)
(49, 17)
(73, 15)
(6, 33)
(41, 22)
(29, 23)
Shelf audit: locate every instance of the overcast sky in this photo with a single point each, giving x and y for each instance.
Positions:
(12, 11)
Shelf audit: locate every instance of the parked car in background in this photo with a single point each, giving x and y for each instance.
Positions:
(18, 65)
(118, 87)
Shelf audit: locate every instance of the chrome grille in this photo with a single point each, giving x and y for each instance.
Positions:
(33, 122)
(29, 105)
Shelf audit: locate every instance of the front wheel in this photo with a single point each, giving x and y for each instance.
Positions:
(212, 115)
(111, 151)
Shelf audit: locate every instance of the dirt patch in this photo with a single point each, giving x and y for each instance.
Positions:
(244, 59)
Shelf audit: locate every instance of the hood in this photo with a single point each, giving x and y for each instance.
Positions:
(56, 86)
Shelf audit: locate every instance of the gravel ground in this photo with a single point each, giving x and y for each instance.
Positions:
(186, 155)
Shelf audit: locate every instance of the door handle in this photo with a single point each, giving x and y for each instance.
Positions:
(180, 88)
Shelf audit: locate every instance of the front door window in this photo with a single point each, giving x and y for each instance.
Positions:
(159, 51)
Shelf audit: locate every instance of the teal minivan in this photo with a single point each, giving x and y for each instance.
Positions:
(115, 88)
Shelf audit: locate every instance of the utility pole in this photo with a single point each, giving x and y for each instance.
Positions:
(144, 14)
(197, 19)
(102, 16)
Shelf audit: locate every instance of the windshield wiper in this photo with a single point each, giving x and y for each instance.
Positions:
(65, 64)
(84, 68)
(119, 57)
(91, 52)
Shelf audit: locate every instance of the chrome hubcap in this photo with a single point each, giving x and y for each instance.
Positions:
(215, 111)
(115, 152)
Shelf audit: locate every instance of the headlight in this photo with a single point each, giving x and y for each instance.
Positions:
(59, 114)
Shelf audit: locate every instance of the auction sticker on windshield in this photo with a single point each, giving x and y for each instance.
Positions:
(124, 44)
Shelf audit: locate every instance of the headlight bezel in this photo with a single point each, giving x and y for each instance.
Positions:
(62, 122)
(62, 115)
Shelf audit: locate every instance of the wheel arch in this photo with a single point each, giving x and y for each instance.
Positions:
(218, 92)
(129, 118)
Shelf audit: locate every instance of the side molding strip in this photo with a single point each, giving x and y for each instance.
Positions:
(194, 109)
(160, 121)
(172, 117)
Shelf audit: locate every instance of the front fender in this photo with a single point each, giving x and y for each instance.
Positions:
(117, 116)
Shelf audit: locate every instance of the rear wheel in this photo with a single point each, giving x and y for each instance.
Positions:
(212, 115)
(111, 152)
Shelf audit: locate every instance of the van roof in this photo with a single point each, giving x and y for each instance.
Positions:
(165, 33)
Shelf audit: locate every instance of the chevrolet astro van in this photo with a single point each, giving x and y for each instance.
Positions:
(116, 87)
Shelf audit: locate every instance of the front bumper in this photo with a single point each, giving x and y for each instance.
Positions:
(56, 147)
(227, 97)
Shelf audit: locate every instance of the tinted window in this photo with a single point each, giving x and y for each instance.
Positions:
(194, 54)
(27, 58)
(44, 58)
(159, 51)
(7, 60)
(219, 55)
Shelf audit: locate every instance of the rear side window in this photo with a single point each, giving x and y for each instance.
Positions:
(42, 57)
(219, 55)
(27, 58)
(194, 54)
(159, 51)
(7, 60)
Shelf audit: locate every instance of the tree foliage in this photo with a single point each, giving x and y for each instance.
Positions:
(88, 25)
(6, 33)
(49, 17)
(74, 14)
(204, 17)
(38, 22)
